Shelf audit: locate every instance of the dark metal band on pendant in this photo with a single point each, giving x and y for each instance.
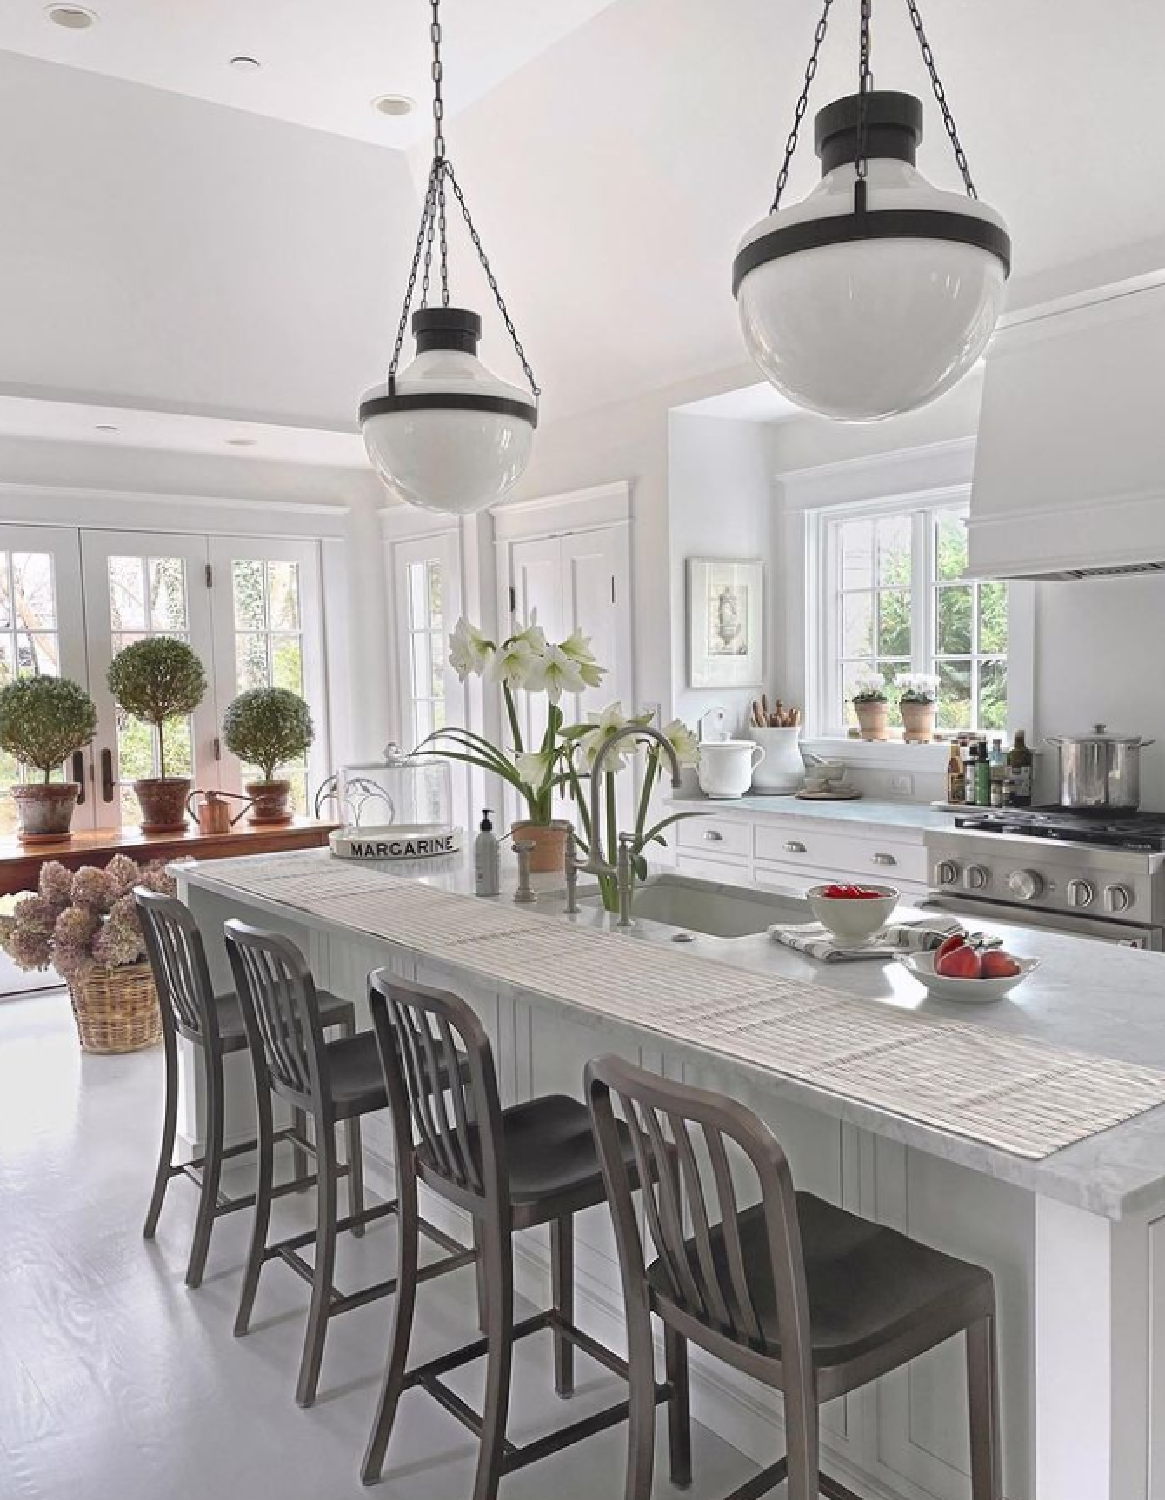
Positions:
(503, 406)
(874, 224)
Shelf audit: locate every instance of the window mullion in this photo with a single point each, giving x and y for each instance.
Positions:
(923, 572)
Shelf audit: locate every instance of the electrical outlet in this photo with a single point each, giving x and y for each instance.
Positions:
(902, 786)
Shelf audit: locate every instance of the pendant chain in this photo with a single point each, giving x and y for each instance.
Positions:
(865, 84)
(940, 95)
(802, 105)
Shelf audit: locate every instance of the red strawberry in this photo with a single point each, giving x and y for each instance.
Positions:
(960, 963)
(948, 945)
(999, 965)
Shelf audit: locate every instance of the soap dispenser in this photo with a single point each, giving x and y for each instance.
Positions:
(487, 871)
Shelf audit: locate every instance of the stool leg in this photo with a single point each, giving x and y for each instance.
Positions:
(355, 1172)
(641, 1397)
(263, 1181)
(983, 1391)
(499, 1262)
(402, 1325)
(211, 1170)
(562, 1289)
(300, 1166)
(321, 1287)
(679, 1418)
(801, 1443)
(169, 1131)
(482, 1280)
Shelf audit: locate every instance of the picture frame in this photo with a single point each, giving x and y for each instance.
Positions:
(726, 613)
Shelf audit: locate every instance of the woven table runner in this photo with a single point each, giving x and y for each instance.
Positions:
(1012, 1092)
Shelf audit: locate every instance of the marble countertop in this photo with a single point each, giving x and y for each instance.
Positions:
(878, 813)
(1087, 995)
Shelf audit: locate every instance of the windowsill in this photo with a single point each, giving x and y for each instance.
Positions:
(886, 755)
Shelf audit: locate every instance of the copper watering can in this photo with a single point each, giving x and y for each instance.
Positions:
(213, 813)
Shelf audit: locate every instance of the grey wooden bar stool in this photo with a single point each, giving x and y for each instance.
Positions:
(511, 1169)
(808, 1298)
(336, 1083)
(214, 1024)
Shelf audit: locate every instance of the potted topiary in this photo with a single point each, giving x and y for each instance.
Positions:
(917, 702)
(44, 720)
(871, 706)
(268, 727)
(156, 680)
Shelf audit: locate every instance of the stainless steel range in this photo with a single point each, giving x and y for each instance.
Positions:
(1099, 875)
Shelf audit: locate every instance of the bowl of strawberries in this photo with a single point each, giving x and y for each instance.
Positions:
(852, 913)
(969, 966)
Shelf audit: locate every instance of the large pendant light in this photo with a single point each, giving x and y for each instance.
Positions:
(878, 291)
(446, 434)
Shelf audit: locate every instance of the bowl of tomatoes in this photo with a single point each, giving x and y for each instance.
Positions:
(969, 966)
(852, 913)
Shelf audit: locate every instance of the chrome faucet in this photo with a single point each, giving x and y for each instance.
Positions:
(623, 873)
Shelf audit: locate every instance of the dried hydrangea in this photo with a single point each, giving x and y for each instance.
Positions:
(55, 883)
(124, 873)
(72, 938)
(120, 938)
(155, 878)
(93, 888)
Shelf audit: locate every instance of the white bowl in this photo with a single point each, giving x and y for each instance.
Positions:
(966, 991)
(855, 921)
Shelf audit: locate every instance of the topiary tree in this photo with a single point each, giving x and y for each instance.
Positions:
(267, 727)
(157, 679)
(43, 720)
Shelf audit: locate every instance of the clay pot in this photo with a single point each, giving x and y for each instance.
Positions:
(163, 803)
(270, 801)
(44, 810)
(917, 722)
(548, 855)
(873, 720)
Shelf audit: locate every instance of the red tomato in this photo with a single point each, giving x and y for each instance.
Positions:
(960, 963)
(999, 965)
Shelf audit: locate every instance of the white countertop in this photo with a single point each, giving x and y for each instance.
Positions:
(877, 813)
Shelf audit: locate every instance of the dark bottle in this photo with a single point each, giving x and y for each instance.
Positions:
(1019, 772)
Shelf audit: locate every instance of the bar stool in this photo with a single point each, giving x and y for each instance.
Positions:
(336, 1083)
(214, 1024)
(805, 1297)
(511, 1169)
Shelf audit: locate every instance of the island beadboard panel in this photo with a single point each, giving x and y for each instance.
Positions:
(1027, 1098)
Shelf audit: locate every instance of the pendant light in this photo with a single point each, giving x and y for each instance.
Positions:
(878, 291)
(446, 434)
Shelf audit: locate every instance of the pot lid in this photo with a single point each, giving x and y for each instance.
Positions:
(1100, 736)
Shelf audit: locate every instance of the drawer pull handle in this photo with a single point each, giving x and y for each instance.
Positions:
(795, 846)
(713, 836)
(884, 859)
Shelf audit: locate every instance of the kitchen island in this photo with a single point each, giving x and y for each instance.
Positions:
(1074, 1238)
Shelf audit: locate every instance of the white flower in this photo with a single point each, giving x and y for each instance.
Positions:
(869, 687)
(608, 723)
(534, 767)
(513, 664)
(531, 634)
(916, 687)
(554, 674)
(469, 651)
(683, 741)
(578, 647)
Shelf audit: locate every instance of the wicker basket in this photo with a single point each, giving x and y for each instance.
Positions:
(116, 1010)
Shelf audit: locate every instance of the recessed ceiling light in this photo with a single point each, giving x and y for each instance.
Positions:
(242, 442)
(72, 17)
(105, 427)
(244, 64)
(394, 104)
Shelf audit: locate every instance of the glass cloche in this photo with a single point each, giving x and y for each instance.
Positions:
(400, 807)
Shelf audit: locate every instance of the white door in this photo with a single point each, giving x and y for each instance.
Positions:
(267, 613)
(140, 584)
(41, 632)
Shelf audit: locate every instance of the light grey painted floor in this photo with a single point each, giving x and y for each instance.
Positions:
(117, 1383)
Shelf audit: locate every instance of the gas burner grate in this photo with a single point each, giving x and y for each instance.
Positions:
(1142, 831)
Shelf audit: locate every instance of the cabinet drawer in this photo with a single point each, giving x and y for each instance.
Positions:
(715, 836)
(879, 859)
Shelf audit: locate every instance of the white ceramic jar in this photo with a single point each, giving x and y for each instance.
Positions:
(782, 771)
(726, 766)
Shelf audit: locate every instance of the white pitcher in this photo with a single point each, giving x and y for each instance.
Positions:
(784, 769)
(726, 767)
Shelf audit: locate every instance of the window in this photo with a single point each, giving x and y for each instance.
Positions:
(896, 600)
(29, 644)
(426, 647)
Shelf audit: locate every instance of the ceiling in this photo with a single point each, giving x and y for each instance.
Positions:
(323, 61)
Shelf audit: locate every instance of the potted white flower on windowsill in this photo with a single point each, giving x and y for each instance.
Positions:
(871, 706)
(917, 702)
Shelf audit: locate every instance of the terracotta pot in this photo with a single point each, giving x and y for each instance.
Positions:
(917, 722)
(873, 720)
(548, 855)
(270, 801)
(163, 803)
(44, 810)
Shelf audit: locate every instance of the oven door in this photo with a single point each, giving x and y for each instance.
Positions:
(972, 912)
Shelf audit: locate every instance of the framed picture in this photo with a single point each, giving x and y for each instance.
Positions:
(725, 622)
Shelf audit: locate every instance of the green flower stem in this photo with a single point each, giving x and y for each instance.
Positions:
(511, 710)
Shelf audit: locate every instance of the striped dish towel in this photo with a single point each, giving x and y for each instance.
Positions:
(898, 937)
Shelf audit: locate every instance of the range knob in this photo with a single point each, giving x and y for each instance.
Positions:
(975, 877)
(1026, 884)
(1081, 893)
(1117, 898)
(946, 872)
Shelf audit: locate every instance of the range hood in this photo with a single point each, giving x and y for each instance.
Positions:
(1069, 477)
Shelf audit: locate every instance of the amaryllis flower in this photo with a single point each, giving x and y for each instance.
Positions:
(532, 633)
(469, 650)
(683, 741)
(555, 673)
(513, 663)
(578, 647)
(534, 767)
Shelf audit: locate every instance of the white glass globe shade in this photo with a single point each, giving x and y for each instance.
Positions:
(450, 458)
(868, 328)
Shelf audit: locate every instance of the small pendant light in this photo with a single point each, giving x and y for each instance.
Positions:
(447, 434)
(879, 291)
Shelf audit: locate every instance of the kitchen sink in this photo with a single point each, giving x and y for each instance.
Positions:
(709, 907)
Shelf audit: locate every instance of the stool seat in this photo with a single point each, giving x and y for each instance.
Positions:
(357, 1077)
(867, 1284)
(333, 1012)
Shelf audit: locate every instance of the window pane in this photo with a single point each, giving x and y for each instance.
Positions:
(993, 618)
(250, 661)
(992, 695)
(34, 593)
(857, 625)
(418, 602)
(856, 550)
(5, 593)
(954, 695)
(422, 671)
(423, 718)
(954, 621)
(135, 748)
(283, 595)
(437, 656)
(435, 606)
(127, 593)
(287, 663)
(167, 594)
(894, 623)
(952, 545)
(890, 670)
(247, 584)
(7, 660)
(44, 653)
(894, 551)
